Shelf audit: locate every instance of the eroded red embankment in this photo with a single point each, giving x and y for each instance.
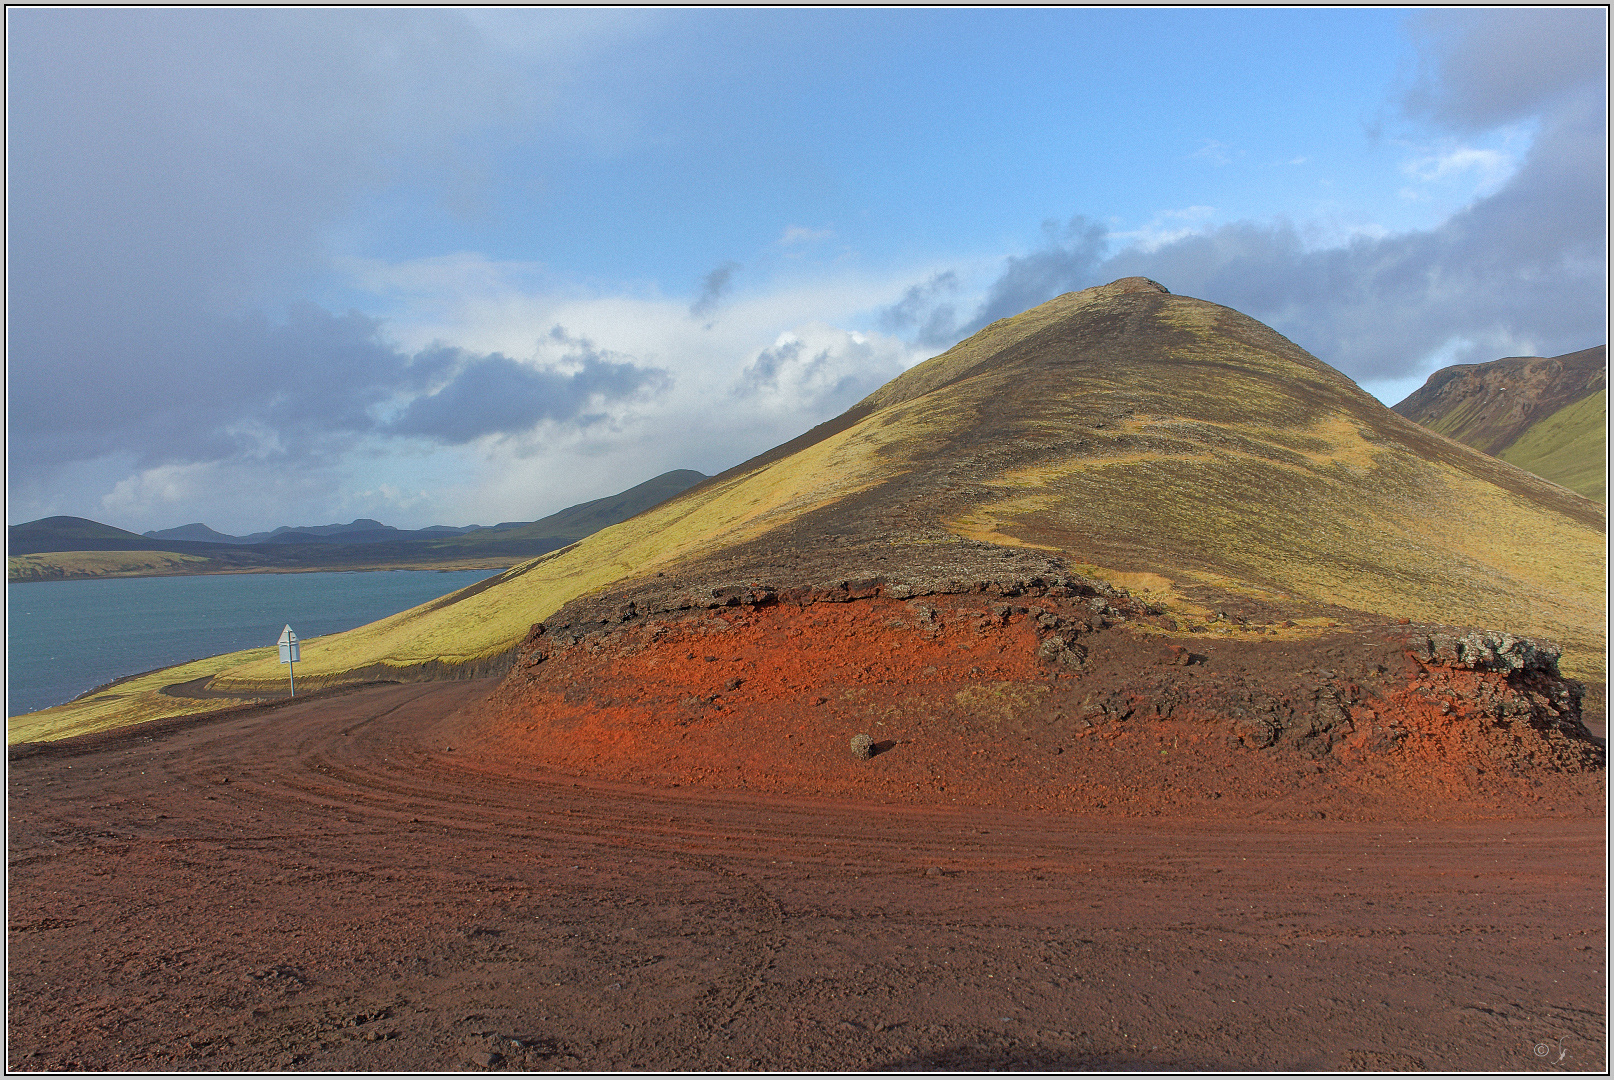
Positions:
(1037, 703)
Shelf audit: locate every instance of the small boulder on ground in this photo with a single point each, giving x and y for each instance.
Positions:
(862, 747)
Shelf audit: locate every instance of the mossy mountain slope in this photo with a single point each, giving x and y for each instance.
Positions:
(1173, 444)
(1545, 414)
(576, 522)
(1162, 443)
(1570, 447)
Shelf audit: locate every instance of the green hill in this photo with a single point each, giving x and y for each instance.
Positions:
(576, 522)
(1570, 447)
(1545, 414)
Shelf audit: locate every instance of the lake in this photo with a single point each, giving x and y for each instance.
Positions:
(66, 637)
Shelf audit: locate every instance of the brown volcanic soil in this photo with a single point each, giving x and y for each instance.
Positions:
(417, 877)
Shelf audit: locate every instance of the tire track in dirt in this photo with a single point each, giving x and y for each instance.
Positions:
(376, 900)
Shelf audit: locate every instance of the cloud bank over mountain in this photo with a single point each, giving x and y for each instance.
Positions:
(1519, 270)
(444, 267)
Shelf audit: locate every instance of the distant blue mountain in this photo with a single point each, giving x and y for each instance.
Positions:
(574, 522)
(286, 534)
(195, 531)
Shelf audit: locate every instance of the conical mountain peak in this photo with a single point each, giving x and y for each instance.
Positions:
(1170, 459)
(1123, 319)
(1122, 512)
(1132, 435)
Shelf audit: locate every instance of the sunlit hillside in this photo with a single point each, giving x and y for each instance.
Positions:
(1159, 441)
(1548, 415)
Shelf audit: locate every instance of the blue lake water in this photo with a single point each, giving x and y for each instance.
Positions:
(66, 637)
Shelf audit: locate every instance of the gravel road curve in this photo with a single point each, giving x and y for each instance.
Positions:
(337, 884)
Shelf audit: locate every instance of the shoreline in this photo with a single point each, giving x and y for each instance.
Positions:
(112, 679)
(433, 567)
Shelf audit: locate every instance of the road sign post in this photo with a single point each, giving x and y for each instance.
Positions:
(290, 653)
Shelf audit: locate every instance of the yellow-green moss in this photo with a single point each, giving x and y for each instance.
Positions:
(1570, 447)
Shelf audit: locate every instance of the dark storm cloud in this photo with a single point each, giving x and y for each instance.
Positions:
(713, 286)
(298, 392)
(493, 394)
(1067, 262)
(150, 148)
(924, 311)
(1482, 70)
(817, 377)
(203, 388)
(1524, 265)
(167, 166)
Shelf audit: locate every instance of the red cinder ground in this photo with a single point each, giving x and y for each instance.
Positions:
(624, 859)
(963, 711)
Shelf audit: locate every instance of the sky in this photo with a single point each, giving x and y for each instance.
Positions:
(461, 266)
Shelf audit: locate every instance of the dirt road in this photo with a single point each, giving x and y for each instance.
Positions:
(339, 884)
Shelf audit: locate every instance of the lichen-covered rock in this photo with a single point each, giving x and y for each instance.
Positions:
(1481, 650)
(1064, 653)
(862, 747)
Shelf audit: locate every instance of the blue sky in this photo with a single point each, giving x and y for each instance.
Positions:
(450, 266)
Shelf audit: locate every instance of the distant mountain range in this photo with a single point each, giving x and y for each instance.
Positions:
(359, 531)
(362, 543)
(1544, 414)
(574, 522)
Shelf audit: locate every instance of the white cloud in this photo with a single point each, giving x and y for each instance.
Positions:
(783, 356)
(1490, 166)
(1168, 226)
(821, 367)
(800, 234)
(211, 492)
(389, 495)
(1214, 152)
(150, 491)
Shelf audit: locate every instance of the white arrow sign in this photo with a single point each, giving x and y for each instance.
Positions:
(290, 653)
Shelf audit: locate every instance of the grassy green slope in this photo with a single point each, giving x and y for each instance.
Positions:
(57, 565)
(1570, 447)
(1532, 411)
